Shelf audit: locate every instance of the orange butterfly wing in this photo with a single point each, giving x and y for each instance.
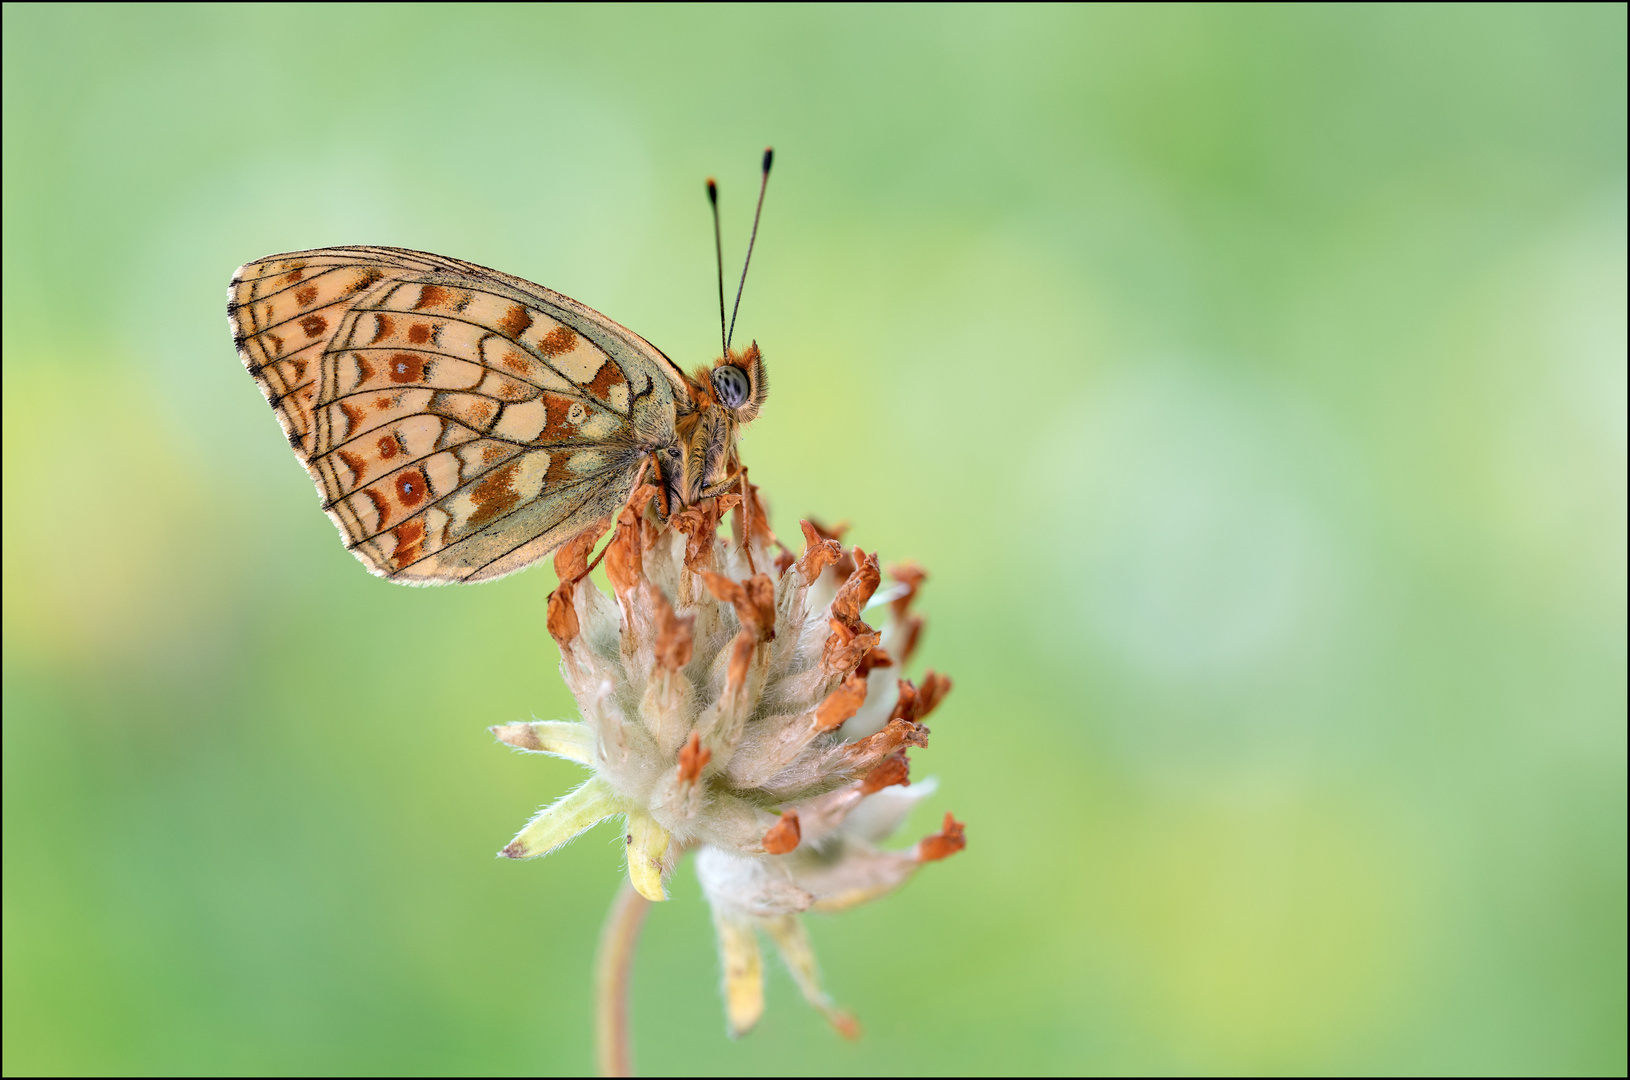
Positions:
(460, 423)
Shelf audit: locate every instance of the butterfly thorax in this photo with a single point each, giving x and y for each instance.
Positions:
(702, 461)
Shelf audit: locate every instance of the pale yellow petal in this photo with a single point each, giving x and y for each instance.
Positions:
(585, 806)
(562, 738)
(743, 973)
(790, 937)
(647, 849)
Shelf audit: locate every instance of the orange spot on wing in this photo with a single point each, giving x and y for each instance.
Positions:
(407, 367)
(561, 339)
(354, 463)
(313, 325)
(365, 370)
(382, 509)
(293, 276)
(515, 321)
(388, 446)
(409, 542)
(382, 326)
(493, 496)
(353, 416)
(411, 487)
(430, 296)
(508, 389)
(556, 425)
(516, 362)
(558, 469)
(305, 294)
(608, 376)
(419, 333)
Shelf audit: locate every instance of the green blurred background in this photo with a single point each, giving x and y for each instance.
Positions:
(1250, 380)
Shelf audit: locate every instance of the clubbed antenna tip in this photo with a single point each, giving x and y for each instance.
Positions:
(769, 155)
(718, 259)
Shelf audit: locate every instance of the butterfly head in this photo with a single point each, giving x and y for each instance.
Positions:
(738, 383)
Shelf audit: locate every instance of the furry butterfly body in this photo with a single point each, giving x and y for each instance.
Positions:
(461, 423)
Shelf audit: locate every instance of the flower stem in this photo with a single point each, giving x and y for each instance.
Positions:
(613, 970)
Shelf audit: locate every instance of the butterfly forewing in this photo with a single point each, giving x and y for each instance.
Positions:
(460, 423)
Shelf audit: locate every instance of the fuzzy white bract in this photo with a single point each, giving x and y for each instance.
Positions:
(741, 706)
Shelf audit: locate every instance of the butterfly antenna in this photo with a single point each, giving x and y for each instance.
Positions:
(763, 183)
(718, 256)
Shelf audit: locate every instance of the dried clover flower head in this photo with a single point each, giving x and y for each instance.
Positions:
(740, 704)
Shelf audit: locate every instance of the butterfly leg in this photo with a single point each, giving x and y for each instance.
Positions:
(723, 488)
(639, 479)
(662, 484)
(747, 519)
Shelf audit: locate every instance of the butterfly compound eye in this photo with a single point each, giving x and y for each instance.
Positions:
(731, 385)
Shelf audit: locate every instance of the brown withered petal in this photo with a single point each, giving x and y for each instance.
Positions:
(741, 657)
(700, 524)
(844, 647)
(845, 565)
(931, 693)
(911, 635)
(693, 758)
(693, 522)
(841, 703)
(623, 561)
(562, 619)
(783, 836)
(911, 576)
(893, 770)
(905, 706)
(948, 841)
(759, 592)
(753, 600)
(857, 589)
(866, 753)
(572, 560)
(624, 565)
(875, 658)
(724, 589)
(674, 645)
(819, 552)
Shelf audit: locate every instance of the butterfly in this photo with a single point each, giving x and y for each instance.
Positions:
(461, 423)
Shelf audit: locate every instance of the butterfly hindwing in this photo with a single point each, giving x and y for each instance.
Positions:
(459, 423)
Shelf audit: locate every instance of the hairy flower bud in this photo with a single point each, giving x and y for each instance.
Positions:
(740, 705)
